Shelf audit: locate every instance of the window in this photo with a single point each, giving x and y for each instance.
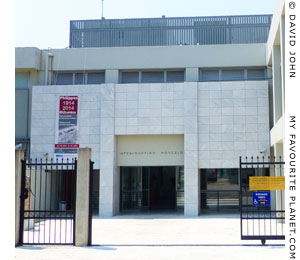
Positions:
(152, 77)
(255, 74)
(235, 74)
(21, 80)
(175, 76)
(163, 76)
(209, 75)
(130, 77)
(78, 78)
(232, 74)
(95, 77)
(63, 79)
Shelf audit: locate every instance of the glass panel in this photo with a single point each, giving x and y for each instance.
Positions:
(79, 78)
(63, 78)
(179, 187)
(209, 75)
(130, 77)
(222, 179)
(152, 76)
(175, 76)
(255, 74)
(96, 78)
(233, 75)
(22, 80)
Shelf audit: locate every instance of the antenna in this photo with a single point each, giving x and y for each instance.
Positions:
(102, 11)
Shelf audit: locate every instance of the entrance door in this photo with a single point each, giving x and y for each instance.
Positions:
(134, 188)
(148, 188)
(162, 188)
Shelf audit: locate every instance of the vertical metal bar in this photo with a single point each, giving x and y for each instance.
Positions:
(66, 217)
(50, 219)
(30, 192)
(22, 201)
(241, 199)
(253, 220)
(40, 201)
(35, 190)
(281, 206)
(74, 200)
(60, 186)
(56, 199)
(46, 170)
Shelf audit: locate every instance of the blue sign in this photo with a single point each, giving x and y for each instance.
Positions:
(261, 198)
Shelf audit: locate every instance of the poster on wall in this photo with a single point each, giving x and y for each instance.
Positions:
(66, 136)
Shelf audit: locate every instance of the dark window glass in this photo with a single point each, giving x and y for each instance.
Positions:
(152, 76)
(63, 78)
(79, 78)
(233, 75)
(175, 76)
(21, 80)
(95, 78)
(209, 75)
(255, 74)
(130, 77)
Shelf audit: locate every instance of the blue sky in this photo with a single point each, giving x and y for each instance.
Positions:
(45, 24)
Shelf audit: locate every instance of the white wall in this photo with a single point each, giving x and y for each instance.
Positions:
(220, 121)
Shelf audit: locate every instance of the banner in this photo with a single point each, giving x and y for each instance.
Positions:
(66, 137)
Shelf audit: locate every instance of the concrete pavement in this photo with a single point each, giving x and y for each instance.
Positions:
(162, 237)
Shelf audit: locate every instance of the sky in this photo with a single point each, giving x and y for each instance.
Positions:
(45, 24)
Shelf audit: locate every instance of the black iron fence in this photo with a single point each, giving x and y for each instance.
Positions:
(48, 202)
(262, 209)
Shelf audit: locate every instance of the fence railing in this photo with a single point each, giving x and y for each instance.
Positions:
(170, 31)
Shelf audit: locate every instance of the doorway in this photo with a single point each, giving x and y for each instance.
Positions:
(151, 189)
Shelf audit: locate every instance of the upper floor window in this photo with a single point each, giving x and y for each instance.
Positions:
(162, 76)
(228, 74)
(78, 78)
(22, 80)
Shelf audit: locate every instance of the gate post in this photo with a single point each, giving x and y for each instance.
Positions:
(82, 197)
(19, 155)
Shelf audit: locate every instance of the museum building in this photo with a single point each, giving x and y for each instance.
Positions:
(167, 105)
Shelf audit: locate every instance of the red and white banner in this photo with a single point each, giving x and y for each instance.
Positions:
(66, 138)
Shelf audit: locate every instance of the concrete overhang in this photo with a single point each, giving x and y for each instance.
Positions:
(27, 58)
(160, 57)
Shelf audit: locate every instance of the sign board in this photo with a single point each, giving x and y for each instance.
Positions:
(66, 137)
(261, 198)
(150, 150)
(266, 183)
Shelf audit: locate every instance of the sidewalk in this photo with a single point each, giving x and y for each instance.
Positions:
(162, 237)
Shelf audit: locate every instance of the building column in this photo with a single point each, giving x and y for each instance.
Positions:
(82, 196)
(277, 88)
(192, 74)
(191, 176)
(109, 176)
(112, 76)
(19, 155)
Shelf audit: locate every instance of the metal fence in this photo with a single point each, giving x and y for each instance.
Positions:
(264, 219)
(48, 202)
(170, 31)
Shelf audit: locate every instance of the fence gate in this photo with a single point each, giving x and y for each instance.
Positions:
(262, 209)
(48, 201)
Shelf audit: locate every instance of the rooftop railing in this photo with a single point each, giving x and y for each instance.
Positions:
(170, 31)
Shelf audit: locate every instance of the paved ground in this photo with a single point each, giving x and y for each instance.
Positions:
(162, 237)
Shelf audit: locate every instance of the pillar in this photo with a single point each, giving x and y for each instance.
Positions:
(82, 196)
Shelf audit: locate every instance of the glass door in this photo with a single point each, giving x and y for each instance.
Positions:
(134, 188)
